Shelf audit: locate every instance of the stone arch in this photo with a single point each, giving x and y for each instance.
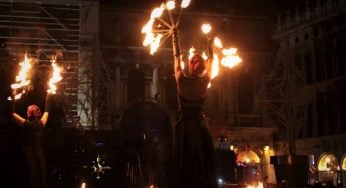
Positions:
(327, 167)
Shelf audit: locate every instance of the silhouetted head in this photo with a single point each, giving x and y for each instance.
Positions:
(33, 112)
(196, 65)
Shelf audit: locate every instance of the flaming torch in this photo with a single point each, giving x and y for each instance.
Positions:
(56, 77)
(22, 79)
(157, 29)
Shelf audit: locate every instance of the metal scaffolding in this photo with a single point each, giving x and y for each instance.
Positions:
(42, 30)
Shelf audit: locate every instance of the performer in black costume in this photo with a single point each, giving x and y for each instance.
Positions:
(193, 147)
(30, 138)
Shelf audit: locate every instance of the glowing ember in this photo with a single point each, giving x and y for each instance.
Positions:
(191, 52)
(154, 33)
(170, 5)
(185, 3)
(230, 58)
(22, 79)
(151, 39)
(218, 43)
(206, 28)
(259, 185)
(182, 64)
(56, 77)
(226, 57)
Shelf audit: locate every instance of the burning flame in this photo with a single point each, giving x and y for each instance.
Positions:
(152, 37)
(56, 77)
(226, 57)
(206, 28)
(259, 185)
(185, 3)
(230, 58)
(191, 52)
(182, 64)
(218, 43)
(170, 5)
(22, 79)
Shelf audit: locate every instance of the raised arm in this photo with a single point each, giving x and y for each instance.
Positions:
(44, 117)
(16, 117)
(176, 54)
(210, 54)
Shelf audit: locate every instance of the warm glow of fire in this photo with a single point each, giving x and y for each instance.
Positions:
(226, 57)
(191, 52)
(22, 79)
(185, 3)
(182, 64)
(231, 58)
(206, 28)
(170, 5)
(157, 12)
(217, 43)
(56, 77)
(215, 67)
(151, 39)
(259, 185)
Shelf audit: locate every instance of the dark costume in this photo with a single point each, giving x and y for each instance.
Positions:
(30, 137)
(193, 149)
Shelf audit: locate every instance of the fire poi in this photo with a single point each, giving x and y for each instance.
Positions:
(157, 30)
(22, 80)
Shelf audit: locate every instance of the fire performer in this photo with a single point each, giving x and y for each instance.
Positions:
(30, 138)
(193, 147)
(32, 127)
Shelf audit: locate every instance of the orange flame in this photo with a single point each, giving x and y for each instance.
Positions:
(206, 28)
(22, 79)
(182, 64)
(185, 3)
(231, 58)
(191, 52)
(56, 77)
(170, 5)
(151, 39)
(259, 185)
(226, 57)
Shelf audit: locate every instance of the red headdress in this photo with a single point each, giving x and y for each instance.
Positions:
(33, 112)
(196, 65)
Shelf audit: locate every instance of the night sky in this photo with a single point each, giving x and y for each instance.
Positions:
(238, 7)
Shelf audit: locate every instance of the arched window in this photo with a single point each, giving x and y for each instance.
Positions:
(327, 167)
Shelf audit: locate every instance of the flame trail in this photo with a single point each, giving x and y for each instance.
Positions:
(22, 79)
(56, 77)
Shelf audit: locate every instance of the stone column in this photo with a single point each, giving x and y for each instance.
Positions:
(155, 84)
